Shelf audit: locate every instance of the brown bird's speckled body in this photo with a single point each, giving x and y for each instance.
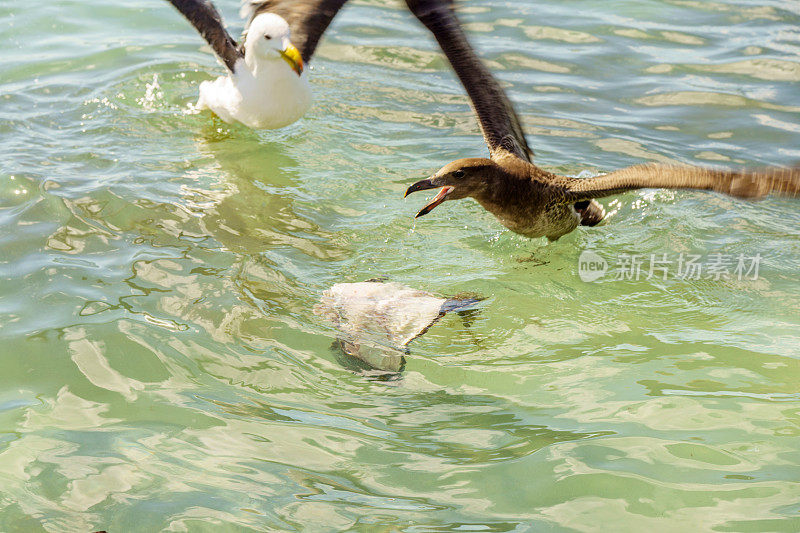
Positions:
(524, 201)
(529, 200)
(520, 196)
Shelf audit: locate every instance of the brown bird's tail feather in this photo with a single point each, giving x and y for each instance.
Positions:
(591, 212)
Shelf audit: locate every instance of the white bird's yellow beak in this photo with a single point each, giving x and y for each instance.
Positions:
(292, 56)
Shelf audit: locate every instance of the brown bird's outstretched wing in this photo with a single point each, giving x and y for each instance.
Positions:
(207, 20)
(750, 184)
(498, 120)
(308, 19)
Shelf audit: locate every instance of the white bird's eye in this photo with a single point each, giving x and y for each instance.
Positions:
(268, 37)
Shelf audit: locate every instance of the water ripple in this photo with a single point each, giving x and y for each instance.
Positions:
(162, 367)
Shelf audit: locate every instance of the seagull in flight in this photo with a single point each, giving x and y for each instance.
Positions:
(266, 85)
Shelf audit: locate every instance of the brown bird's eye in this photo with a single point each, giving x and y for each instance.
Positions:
(268, 37)
(458, 173)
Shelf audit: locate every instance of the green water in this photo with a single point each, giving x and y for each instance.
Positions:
(160, 364)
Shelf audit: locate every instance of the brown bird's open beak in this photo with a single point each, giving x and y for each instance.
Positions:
(423, 185)
(292, 56)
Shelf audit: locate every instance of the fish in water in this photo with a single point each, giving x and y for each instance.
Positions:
(377, 320)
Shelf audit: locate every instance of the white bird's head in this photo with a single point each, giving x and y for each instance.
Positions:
(268, 39)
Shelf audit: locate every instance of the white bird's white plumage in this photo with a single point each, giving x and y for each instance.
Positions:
(263, 91)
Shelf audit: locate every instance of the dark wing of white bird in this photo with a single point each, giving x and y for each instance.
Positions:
(498, 121)
(308, 19)
(207, 20)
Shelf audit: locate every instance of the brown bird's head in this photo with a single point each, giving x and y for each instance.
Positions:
(459, 179)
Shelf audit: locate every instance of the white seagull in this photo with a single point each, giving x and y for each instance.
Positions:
(266, 86)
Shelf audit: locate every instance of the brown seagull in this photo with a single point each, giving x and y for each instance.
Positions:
(534, 202)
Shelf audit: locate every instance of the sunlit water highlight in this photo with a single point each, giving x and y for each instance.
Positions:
(161, 366)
